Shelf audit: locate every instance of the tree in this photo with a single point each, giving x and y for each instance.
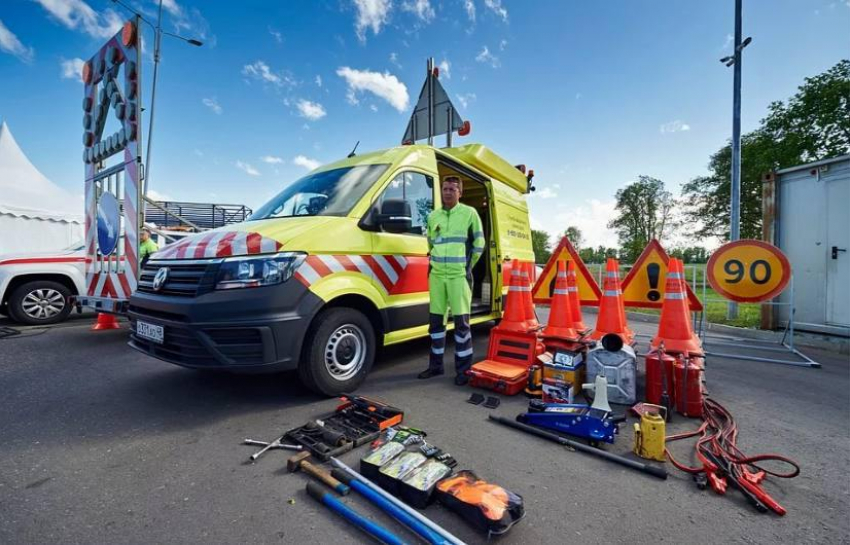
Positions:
(574, 235)
(644, 212)
(814, 124)
(540, 245)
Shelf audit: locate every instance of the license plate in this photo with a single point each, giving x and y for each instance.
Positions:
(151, 332)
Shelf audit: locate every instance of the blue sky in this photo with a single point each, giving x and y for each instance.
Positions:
(588, 94)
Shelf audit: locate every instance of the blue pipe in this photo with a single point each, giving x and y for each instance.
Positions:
(375, 530)
(389, 508)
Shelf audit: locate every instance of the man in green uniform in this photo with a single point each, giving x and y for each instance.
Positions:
(146, 245)
(455, 243)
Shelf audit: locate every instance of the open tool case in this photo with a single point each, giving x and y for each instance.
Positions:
(356, 421)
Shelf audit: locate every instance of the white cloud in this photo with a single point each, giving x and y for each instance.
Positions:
(469, 6)
(76, 14)
(306, 162)
(466, 99)
(486, 57)
(13, 46)
(421, 8)
(591, 217)
(545, 193)
(728, 41)
(171, 7)
(311, 110)
(496, 7)
(373, 107)
(73, 69)
(157, 196)
(502, 45)
(445, 68)
(385, 86)
(319, 80)
(394, 59)
(260, 70)
(674, 126)
(211, 103)
(371, 14)
(271, 159)
(247, 168)
(278, 37)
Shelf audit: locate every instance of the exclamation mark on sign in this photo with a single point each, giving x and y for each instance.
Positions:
(653, 271)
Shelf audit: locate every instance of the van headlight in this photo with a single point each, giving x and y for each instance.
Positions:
(257, 271)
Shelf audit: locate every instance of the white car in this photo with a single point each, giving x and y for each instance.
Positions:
(34, 288)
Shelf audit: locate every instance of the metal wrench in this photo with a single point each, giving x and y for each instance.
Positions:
(276, 444)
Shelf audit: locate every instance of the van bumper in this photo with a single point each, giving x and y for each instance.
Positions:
(250, 330)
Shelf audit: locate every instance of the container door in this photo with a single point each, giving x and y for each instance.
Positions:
(838, 253)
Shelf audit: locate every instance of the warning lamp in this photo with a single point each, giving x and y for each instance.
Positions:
(436, 72)
(128, 34)
(521, 168)
(407, 143)
(465, 129)
(87, 73)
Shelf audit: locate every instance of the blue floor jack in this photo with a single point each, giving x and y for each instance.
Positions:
(592, 422)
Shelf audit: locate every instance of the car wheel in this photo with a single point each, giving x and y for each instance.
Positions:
(40, 302)
(338, 352)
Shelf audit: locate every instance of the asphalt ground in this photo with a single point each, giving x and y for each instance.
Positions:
(103, 445)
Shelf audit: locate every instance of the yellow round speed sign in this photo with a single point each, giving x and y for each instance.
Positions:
(748, 271)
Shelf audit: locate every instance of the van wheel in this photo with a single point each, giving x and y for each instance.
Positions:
(40, 302)
(338, 352)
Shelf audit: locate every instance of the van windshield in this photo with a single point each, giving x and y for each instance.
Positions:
(329, 193)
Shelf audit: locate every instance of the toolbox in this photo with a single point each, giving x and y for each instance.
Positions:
(509, 356)
(357, 420)
(501, 377)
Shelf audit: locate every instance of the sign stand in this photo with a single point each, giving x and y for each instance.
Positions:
(787, 342)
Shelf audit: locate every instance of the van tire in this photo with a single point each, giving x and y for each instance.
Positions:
(341, 342)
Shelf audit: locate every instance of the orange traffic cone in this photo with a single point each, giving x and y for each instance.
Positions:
(612, 311)
(560, 313)
(531, 322)
(105, 321)
(674, 329)
(575, 300)
(513, 318)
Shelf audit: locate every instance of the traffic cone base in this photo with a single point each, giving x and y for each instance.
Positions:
(105, 322)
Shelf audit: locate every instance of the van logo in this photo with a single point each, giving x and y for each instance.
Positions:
(160, 278)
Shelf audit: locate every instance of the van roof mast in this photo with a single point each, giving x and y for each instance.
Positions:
(434, 113)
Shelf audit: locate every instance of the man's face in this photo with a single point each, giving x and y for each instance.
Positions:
(144, 236)
(451, 193)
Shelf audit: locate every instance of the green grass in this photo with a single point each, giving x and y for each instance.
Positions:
(749, 314)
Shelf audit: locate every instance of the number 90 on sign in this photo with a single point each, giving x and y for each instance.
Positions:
(748, 271)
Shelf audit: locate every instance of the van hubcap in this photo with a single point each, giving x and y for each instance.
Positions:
(43, 304)
(345, 352)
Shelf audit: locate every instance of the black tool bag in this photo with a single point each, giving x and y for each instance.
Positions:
(489, 507)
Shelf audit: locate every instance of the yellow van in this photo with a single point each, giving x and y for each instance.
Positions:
(332, 267)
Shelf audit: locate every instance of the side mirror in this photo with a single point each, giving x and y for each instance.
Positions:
(395, 216)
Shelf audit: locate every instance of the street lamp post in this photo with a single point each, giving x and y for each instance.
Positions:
(735, 190)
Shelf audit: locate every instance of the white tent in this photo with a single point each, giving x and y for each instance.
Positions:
(36, 215)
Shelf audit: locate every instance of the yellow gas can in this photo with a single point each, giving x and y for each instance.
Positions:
(649, 434)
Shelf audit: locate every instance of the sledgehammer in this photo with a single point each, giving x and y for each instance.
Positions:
(299, 461)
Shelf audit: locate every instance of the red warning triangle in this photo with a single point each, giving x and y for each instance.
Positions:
(588, 289)
(644, 285)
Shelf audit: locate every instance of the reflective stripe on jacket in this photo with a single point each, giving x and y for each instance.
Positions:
(455, 240)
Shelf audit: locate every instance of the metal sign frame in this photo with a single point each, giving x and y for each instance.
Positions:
(112, 278)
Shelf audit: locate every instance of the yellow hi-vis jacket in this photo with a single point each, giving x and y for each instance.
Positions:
(455, 240)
